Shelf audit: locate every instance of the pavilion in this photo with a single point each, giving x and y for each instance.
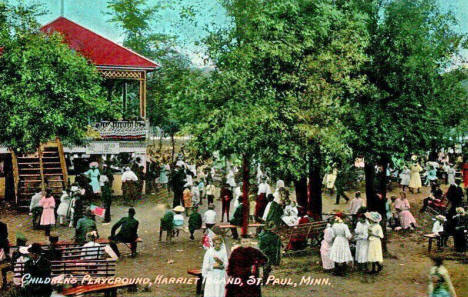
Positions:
(114, 61)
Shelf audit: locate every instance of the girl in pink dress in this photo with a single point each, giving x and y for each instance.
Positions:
(406, 218)
(48, 215)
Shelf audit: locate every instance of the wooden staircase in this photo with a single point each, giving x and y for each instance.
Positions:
(46, 168)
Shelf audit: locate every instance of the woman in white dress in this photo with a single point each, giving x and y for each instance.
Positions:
(415, 178)
(374, 254)
(362, 243)
(325, 248)
(340, 252)
(290, 216)
(214, 269)
(405, 178)
(64, 207)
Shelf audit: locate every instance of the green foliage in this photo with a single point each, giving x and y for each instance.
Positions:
(46, 90)
(285, 70)
(412, 102)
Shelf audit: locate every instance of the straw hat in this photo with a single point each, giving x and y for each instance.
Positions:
(373, 216)
(460, 210)
(441, 218)
(179, 208)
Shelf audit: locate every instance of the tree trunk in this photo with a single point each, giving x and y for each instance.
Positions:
(173, 148)
(315, 185)
(245, 195)
(161, 142)
(369, 171)
(381, 203)
(301, 192)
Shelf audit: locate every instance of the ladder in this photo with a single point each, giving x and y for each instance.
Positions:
(43, 169)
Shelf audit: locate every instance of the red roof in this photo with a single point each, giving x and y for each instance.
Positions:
(99, 50)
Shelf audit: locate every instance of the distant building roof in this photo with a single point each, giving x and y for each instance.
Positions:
(101, 51)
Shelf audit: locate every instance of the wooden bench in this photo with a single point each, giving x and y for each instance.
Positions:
(312, 231)
(77, 268)
(198, 274)
(80, 252)
(430, 238)
(110, 290)
(229, 226)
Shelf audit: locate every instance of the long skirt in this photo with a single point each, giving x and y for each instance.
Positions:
(215, 283)
(261, 205)
(47, 217)
(406, 219)
(325, 255)
(340, 251)
(375, 251)
(362, 247)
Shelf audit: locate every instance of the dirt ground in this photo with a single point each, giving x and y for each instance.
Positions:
(405, 275)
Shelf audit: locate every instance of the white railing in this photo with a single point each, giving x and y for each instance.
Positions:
(122, 129)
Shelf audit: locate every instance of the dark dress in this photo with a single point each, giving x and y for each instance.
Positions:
(460, 225)
(177, 184)
(244, 263)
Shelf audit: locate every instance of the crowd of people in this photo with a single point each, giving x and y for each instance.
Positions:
(354, 237)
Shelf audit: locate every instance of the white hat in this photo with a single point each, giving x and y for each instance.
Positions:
(179, 208)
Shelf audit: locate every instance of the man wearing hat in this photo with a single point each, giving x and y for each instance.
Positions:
(84, 226)
(128, 232)
(177, 182)
(270, 244)
(38, 267)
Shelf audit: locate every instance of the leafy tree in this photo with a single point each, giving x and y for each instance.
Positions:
(412, 101)
(46, 90)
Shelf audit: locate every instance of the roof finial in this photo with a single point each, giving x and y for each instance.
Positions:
(62, 8)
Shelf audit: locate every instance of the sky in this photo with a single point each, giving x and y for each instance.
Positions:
(93, 15)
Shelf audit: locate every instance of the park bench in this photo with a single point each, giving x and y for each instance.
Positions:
(312, 231)
(198, 274)
(229, 226)
(80, 252)
(430, 238)
(78, 269)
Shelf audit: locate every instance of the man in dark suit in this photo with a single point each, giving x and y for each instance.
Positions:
(128, 232)
(39, 270)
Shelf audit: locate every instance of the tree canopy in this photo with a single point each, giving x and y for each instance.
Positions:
(46, 90)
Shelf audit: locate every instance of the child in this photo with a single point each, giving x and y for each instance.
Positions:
(179, 219)
(194, 222)
(195, 194)
(64, 206)
(187, 197)
(438, 229)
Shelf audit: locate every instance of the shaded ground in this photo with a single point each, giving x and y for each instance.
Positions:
(404, 276)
